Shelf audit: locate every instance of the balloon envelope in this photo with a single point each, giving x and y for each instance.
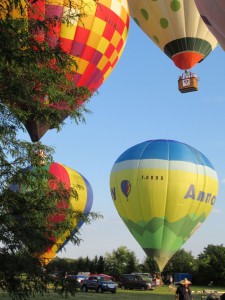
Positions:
(70, 179)
(213, 14)
(83, 204)
(173, 188)
(95, 39)
(176, 28)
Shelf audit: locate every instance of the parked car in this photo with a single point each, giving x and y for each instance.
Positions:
(78, 278)
(138, 282)
(149, 275)
(103, 275)
(99, 284)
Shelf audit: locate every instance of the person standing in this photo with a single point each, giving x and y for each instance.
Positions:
(183, 291)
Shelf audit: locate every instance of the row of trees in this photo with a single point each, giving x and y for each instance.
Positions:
(208, 266)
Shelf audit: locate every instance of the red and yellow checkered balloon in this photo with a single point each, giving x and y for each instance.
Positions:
(95, 36)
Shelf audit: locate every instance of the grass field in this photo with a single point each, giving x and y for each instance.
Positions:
(160, 293)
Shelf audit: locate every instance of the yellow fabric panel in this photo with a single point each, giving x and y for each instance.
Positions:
(55, 2)
(93, 40)
(107, 73)
(88, 10)
(116, 7)
(115, 39)
(67, 31)
(76, 179)
(102, 46)
(103, 61)
(161, 198)
(82, 65)
(124, 11)
(98, 26)
(113, 57)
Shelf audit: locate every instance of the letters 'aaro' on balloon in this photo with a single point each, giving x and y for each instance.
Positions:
(176, 27)
(95, 39)
(213, 14)
(173, 188)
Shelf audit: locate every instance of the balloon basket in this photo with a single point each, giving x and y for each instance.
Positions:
(186, 85)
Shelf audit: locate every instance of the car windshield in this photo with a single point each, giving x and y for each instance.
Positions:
(145, 278)
(104, 278)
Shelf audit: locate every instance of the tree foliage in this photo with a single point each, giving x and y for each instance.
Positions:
(212, 265)
(149, 266)
(122, 260)
(25, 227)
(181, 262)
(35, 79)
(208, 267)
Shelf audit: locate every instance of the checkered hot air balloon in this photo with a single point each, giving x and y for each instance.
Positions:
(173, 188)
(81, 205)
(95, 39)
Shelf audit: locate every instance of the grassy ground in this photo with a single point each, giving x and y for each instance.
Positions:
(160, 293)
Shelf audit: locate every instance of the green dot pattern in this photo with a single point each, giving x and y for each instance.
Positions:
(164, 23)
(156, 39)
(136, 21)
(175, 6)
(144, 13)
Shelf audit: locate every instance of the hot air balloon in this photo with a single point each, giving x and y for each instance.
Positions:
(173, 190)
(176, 27)
(95, 39)
(70, 179)
(213, 14)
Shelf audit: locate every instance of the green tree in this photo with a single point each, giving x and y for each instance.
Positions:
(181, 262)
(31, 70)
(97, 265)
(149, 266)
(36, 78)
(120, 261)
(212, 265)
(25, 226)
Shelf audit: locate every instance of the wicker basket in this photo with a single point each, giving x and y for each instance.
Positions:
(187, 85)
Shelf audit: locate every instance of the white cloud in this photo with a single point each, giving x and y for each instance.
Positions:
(216, 211)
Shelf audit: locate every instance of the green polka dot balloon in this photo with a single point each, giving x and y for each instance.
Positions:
(165, 22)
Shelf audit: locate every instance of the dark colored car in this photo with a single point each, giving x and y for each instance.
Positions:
(99, 284)
(103, 275)
(138, 282)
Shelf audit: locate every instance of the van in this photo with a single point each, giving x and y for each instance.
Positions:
(149, 275)
(133, 281)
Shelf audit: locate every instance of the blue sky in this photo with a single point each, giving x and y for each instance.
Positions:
(140, 101)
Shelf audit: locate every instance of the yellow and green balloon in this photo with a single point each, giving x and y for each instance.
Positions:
(163, 190)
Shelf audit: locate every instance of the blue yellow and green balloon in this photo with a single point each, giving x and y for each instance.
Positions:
(163, 190)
